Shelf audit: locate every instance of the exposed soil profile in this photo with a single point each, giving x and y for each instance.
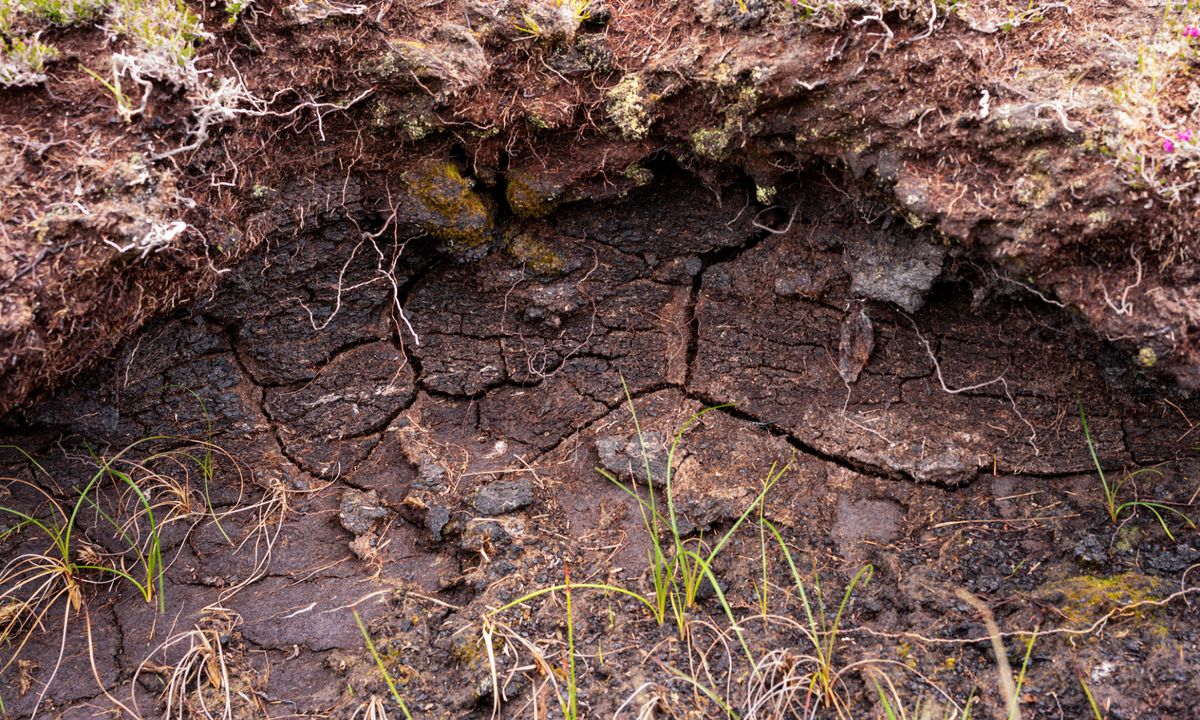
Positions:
(627, 359)
(919, 412)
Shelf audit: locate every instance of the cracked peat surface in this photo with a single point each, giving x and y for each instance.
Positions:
(416, 439)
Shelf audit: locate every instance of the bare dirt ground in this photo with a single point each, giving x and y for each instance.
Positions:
(925, 418)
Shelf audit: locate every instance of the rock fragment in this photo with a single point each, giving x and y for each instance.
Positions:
(622, 457)
(893, 268)
(504, 496)
(855, 346)
(360, 510)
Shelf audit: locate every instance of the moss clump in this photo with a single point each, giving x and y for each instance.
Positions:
(1147, 358)
(1084, 599)
(714, 143)
(1097, 222)
(628, 107)
(638, 174)
(710, 143)
(415, 128)
(1033, 190)
(537, 256)
(450, 210)
(529, 197)
(469, 651)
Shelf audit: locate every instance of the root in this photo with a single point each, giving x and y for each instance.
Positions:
(998, 380)
(1124, 307)
(385, 270)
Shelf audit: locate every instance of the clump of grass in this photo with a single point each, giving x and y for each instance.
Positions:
(127, 498)
(1114, 506)
(679, 566)
(202, 670)
(35, 583)
(376, 706)
(822, 632)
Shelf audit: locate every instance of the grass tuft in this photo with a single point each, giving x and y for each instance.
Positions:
(1114, 506)
(127, 499)
(679, 567)
(387, 676)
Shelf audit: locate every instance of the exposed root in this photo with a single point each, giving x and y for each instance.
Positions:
(998, 380)
(199, 681)
(1124, 307)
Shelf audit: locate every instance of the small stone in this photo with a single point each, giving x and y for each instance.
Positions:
(623, 457)
(896, 269)
(436, 519)
(489, 536)
(430, 475)
(360, 510)
(856, 345)
(504, 496)
(1091, 551)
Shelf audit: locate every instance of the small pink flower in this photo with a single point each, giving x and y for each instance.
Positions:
(1191, 31)
(1168, 146)
(1184, 135)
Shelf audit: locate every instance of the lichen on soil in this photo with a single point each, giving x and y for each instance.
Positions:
(401, 314)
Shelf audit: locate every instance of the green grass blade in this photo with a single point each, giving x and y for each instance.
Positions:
(1087, 693)
(729, 614)
(772, 478)
(864, 575)
(575, 586)
(1110, 495)
(888, 712)
(804, 602)
(29, 458)
(387, 676)
(1025, 662)
(706, 691)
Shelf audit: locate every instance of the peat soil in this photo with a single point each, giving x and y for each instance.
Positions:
(1043, 135)
(415, 439)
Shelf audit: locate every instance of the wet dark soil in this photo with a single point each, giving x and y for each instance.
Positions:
(416, 438)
